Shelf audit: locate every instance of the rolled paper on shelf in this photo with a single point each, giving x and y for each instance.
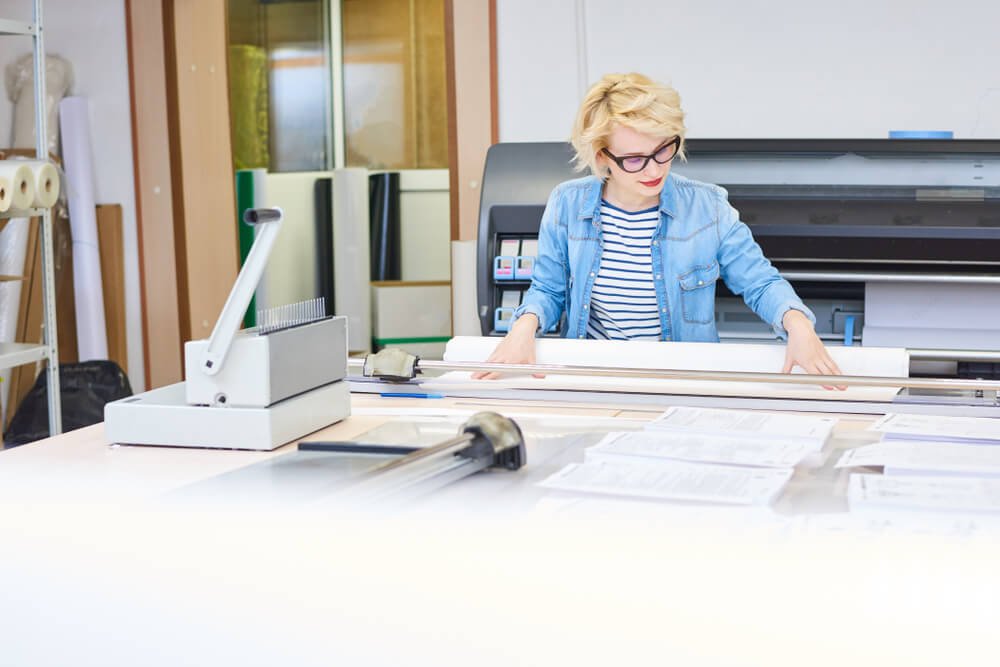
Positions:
(6, 194)
(22, 182)
(46, 183)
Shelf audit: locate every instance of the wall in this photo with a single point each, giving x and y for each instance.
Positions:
(91, 34)
(784, 68)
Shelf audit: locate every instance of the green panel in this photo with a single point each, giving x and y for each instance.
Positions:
(245, 198)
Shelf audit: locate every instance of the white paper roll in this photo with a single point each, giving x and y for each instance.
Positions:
(351, 258)
(22, 181)
(6, 194)
(92, 340)
(46, 183)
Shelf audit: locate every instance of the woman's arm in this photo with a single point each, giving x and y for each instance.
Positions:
(544, 301)
(747, 272)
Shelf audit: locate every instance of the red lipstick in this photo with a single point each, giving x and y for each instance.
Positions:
(652, 184)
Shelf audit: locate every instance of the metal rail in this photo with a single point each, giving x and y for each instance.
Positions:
(718, 376)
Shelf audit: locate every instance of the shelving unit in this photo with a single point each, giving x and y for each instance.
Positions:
(17, 354)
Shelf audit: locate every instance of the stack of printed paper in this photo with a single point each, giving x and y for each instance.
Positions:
(722, 456)
(807, 430)
(930, 463)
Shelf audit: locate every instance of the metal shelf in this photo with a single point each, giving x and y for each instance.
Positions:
(18, 354)
(23, 213)
(9, 27)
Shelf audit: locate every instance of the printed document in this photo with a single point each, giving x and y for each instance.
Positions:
(746, 424)
(983, 430)
(636, 447)
(968, 494)
(673, 481)
(926, 457)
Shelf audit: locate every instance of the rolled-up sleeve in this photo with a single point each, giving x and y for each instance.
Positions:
(749, 274)
(546, 297)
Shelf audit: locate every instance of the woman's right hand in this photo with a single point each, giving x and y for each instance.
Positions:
(517, 347)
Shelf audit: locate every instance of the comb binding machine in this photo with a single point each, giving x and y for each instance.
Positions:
(247, 389)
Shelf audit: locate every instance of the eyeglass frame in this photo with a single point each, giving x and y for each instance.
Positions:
(675, 142)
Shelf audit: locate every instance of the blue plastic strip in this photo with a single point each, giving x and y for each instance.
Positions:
(921, 134)
(849, 330)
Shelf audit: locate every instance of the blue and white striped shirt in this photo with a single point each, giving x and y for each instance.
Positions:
(623, 301)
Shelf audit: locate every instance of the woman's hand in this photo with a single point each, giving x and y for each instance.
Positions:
(517, 347)
(805, 349)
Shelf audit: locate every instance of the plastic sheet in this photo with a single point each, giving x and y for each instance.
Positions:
(20, 78)
(386, 261)
(13, 246)
(90, 325)
(351, 271)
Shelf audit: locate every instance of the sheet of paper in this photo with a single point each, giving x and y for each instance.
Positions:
(941, 457)
(883, 362)
(510, 247)
(636, 447)
(510, 298)
(968, 494)
(929, 427)
(746, 424)
(673, 481)
(529, 247)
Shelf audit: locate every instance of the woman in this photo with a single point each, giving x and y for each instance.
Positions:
(633, 251)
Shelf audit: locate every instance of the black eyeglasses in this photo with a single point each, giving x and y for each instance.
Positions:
(636, 163)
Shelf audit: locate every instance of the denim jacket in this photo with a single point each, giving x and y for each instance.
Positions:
(698, 240)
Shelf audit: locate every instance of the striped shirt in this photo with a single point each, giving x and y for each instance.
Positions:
(623, 301)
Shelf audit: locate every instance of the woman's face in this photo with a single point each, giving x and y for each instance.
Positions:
(624, 142)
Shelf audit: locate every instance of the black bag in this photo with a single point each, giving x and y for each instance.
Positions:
(84, 389)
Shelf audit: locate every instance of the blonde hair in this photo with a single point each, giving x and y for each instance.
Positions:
(631, 100)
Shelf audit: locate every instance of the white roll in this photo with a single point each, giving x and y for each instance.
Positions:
(46, 183)
(6, 194)
(22, 182)
(351, 255)
(91, 334)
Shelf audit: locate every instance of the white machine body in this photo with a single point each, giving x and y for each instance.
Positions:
(261, 370)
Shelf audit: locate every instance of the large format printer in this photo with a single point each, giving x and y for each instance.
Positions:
(891, 242)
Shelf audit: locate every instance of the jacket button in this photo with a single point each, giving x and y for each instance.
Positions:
(656, 243)
(591, 274)
(658, 276)
(663, 310)
(700, 282)
(586, 306)
(581, 336)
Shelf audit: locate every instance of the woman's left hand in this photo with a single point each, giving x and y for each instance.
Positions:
(805, 349)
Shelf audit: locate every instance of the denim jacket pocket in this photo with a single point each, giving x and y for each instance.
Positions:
(698, 293)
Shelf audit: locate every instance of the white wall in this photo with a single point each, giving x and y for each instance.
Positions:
(778, 69)
(91, 35)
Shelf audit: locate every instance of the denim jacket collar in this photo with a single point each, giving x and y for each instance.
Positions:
(592, 202)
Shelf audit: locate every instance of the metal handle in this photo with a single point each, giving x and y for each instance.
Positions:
(873, 277)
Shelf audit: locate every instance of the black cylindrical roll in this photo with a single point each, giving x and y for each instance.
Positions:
(323, 202)
(386, 260)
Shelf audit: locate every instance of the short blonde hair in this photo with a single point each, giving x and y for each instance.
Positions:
(631, 100)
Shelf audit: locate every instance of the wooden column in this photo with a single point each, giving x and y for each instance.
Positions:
(204, 196)
(153, 194)
(470, 29)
